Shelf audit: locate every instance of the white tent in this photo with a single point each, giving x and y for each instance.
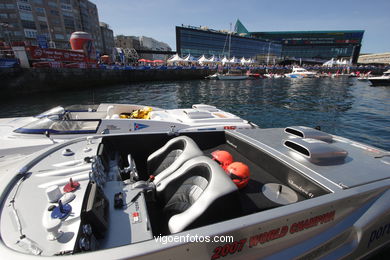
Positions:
(174, 58)
(234, 60)
(251, 61)
(189, 58)
(244, 61)
(202, 60)
(225, 60)
(329, 63)
(214, 59)
(332, 62)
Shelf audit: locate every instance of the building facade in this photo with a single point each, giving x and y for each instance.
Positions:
(107, 39)
(53, 20)
(317, 45)
(127, 42)
(376, 58)
(268, 47)
(199, 41)
(143, 43)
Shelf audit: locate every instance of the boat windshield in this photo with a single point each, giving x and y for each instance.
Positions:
(59, 127)
(56, 111)
(81, 108)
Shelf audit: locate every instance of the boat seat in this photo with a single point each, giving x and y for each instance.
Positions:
(110, 112)
(198, 193)
(171, 156)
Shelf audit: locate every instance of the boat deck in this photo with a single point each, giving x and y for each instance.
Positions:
(251, 197)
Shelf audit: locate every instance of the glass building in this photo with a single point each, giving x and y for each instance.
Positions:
(199, 41)
(269, 47)
(317, 45)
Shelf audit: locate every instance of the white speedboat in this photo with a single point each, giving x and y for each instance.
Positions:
(298, 72)
(212, 76)
(27, 134)
(299, 193)
(383, 80)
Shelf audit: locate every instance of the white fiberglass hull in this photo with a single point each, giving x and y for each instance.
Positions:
(342, 211)
(27, 134)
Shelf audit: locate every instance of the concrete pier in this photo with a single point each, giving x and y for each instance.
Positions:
(16, 82)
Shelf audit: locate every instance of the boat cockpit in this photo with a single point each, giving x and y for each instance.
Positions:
(117, 190)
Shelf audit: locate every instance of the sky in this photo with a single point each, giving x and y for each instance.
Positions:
(158, 18)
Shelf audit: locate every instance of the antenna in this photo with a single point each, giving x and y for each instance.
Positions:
(230, 39)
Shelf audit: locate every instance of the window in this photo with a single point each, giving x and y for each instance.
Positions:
(55, 12)
(66, 7)
(52, 4)
(68, 22)
(5, 16)
(67, 14)
(10, 6)
(24, 7)
(40, 10)
(30, 33)
(25, 1)
(59, 36)
(13, 16)
(28, 24)
(18, 33)
(26, 16)
(39, 2)
(43, 26)
(42, 18)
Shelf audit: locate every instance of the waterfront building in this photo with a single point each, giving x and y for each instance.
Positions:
(375, 58)
(199, 41)
(317, 45)
(148, 43)
(38, 21)
(107, 38)
(142, 45)
(313, 45)
(127, 42)
(298, 46)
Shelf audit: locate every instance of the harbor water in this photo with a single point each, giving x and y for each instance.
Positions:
(342, 106)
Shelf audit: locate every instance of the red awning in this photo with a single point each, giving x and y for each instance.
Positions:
(144, 60)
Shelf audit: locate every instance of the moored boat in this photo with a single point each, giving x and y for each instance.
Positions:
(298, 72)
(300, 193)
(232, 75)
(383, 80)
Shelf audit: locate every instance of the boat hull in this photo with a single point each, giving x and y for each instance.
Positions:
(232, 77)
(380, 82)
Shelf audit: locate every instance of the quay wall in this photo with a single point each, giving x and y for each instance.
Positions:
(15, 82)
(18, 81)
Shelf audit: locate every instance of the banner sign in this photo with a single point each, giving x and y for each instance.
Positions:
(37, 53)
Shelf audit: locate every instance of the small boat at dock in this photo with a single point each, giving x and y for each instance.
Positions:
(383, 80)
(233, 75)
(298, 72)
